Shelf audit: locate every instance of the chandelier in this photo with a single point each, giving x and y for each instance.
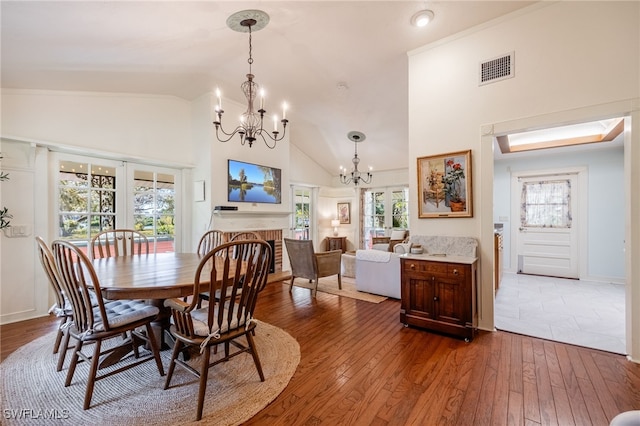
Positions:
(251, 121)
(355, 176)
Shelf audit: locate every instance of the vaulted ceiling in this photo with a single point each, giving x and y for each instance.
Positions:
(340, 65)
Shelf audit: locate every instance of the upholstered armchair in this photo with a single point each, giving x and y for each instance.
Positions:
(388, 243)
(305, 263)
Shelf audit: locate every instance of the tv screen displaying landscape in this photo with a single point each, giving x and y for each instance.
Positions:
(253, 183)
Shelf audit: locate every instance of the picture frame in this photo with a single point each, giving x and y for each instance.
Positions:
(344, 213)
(445, 185)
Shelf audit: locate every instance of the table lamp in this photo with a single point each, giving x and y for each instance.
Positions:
(335, 223)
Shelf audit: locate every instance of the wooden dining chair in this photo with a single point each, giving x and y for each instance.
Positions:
(61, 308)
(245, 235)
(210, 240)
(108, 319)
(119, 242)
(221, 322)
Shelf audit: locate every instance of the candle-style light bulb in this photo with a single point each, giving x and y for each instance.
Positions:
(284, 110)
(275, 123)
(261, 98)
(219, 95)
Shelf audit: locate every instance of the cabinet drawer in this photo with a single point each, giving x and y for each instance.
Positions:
(439, 268)
(423, 266)
(456, 270)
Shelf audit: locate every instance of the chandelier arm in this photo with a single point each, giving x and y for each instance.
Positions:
(237, 130)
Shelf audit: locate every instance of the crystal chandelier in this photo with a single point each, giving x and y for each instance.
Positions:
(251, 121)
(355, 176)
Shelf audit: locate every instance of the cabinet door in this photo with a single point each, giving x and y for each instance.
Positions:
(421, 293)
(450, 301)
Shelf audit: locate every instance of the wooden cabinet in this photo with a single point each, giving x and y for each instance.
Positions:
(336, 243)
(439, 295)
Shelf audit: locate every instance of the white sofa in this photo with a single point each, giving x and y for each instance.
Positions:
(378, 272)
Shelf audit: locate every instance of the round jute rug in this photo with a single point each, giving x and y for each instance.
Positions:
(34, 393)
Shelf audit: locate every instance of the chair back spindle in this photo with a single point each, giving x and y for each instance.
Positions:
(119, 242)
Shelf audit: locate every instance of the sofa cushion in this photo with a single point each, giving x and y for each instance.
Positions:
(398, 234)
(373, 255)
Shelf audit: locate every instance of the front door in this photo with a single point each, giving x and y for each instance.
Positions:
(548, 219)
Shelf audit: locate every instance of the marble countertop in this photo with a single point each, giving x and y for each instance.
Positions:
(440, 258)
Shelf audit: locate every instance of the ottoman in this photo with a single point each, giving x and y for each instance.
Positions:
(348, 268)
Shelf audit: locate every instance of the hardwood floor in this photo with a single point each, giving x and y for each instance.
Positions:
(360, 366)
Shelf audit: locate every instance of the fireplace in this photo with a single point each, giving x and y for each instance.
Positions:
(271, 236)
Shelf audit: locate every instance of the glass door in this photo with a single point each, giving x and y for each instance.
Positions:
(384, 209)
(89, 198)
(95, 194)
(301, 213)
(153, 195)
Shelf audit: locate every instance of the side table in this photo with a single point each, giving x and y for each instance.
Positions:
(336, 243)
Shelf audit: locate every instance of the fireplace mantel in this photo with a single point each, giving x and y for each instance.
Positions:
(263, 213)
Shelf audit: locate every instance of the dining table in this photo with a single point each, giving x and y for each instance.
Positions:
(152, 277)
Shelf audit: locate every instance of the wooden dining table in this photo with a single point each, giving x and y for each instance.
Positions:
(148, 276)
(153, 277)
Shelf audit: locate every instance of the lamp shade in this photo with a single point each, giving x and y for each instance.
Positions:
(335, 222)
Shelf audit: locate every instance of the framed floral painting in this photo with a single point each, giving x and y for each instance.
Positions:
(344, 213)
(444, 185)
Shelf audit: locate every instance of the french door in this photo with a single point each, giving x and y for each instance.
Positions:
(302, 209)
(152, 206)
(89, 197)
(384, 209)
(95, 194)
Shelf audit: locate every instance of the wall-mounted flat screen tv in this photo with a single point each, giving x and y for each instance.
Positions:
(253, 183)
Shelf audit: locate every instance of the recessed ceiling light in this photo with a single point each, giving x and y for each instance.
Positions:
(421, 18)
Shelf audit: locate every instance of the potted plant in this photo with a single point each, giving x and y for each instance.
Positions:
(453, 185)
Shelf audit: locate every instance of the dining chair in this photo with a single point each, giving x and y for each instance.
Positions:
(106, 320)
(245, 235)
(61, 308)
(221, 321)
(119, 242)
(210, 240)
(306, 263)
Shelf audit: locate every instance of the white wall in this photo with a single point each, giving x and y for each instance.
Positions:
(145, 127)
(568, 56)
(20, 290)
(605, 206)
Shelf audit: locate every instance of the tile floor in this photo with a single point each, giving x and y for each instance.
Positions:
(583, 313)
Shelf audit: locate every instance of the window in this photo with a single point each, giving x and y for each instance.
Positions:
(546, 204)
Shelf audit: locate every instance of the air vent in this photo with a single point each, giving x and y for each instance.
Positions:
(497, 69)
